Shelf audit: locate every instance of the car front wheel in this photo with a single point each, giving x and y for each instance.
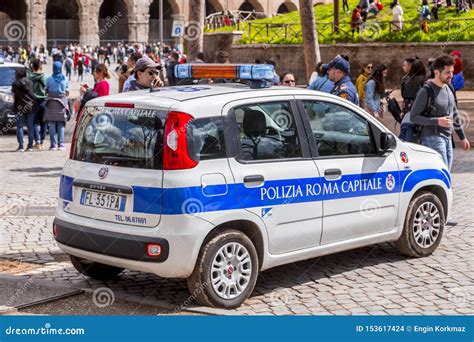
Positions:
(424, 225)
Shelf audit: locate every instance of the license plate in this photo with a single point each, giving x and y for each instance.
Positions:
(103, 200)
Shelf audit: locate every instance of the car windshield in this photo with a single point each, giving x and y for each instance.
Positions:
(7, 76)
(120, 137)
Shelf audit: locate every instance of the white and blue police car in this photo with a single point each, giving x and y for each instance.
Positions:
(216, 183)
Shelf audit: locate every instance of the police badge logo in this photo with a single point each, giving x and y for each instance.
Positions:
(390, 182)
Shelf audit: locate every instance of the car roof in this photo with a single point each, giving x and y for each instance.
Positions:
(168, 96)
(11, 65)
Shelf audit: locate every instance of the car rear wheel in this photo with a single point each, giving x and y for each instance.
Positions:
(226, 271)
(424, 226)
(95, 270)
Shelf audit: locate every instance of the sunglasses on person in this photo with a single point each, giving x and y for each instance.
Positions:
(289, 81)
(370, 66)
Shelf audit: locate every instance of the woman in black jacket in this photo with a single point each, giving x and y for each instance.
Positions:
(24, 106)
(415, 77)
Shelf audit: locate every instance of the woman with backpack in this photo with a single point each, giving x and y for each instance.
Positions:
(375, 90)
(24, 106)
(57, 107)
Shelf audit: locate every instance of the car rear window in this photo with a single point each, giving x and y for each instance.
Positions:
(120, 137)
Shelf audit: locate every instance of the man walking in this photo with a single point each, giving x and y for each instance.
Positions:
(436, 112)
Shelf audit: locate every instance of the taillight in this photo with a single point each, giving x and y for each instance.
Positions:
(175, 151)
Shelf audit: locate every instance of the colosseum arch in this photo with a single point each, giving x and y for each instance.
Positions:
(251, 5)
(13, 21)
(213, 6)
(170, 8)
(62, 22)
(286, 7)
(113, 21)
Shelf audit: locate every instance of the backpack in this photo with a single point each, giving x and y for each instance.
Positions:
(458, 81)
(68, 63)
(415, 130)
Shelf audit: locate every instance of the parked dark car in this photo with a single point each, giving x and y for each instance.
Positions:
(7, 76)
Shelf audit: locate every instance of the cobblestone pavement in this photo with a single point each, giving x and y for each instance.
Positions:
(372, 280)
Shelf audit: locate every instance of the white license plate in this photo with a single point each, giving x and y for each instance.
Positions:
(103, 200)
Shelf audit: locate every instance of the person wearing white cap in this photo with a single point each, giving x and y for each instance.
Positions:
(147, 75)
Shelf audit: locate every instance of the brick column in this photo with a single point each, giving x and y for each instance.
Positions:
(36, 22)
(89, 23)
(138, 21)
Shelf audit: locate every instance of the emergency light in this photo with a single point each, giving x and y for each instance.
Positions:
(250, 72)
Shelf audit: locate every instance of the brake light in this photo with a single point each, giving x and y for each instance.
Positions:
(175, 151)
(119, 105)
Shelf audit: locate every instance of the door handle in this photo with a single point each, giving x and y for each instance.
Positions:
(332, 174)
(254, 180)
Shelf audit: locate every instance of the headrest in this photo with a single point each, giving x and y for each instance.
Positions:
(255, 123)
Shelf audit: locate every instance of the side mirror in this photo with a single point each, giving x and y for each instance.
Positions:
(387, 142)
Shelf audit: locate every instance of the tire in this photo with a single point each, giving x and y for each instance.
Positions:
(95, 270)
(420, 238)
(244, 272)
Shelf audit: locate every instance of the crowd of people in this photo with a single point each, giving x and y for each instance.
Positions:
(141, 68)
(427, 11)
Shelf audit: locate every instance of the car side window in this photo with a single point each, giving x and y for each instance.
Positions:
(338, 131)
(267, 131)
(206, 139)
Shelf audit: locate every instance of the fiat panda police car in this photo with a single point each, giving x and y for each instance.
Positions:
(216, 183)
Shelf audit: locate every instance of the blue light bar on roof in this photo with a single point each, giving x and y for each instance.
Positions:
(258, 72)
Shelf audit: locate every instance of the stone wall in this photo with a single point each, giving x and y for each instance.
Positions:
(291, 58)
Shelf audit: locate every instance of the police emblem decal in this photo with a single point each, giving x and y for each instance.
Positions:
(103, 172)
(390, 182)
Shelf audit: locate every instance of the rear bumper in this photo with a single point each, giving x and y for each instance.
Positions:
(107, 243)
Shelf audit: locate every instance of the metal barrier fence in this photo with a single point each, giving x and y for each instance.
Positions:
(269, 33)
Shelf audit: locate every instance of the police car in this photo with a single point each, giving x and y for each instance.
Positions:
(216, 183)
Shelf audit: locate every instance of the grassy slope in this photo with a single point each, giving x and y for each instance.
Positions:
(460, 30)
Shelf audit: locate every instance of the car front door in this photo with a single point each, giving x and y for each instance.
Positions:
(359, 186)
(271, 167)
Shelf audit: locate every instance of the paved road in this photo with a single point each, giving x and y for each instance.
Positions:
(372, 280)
